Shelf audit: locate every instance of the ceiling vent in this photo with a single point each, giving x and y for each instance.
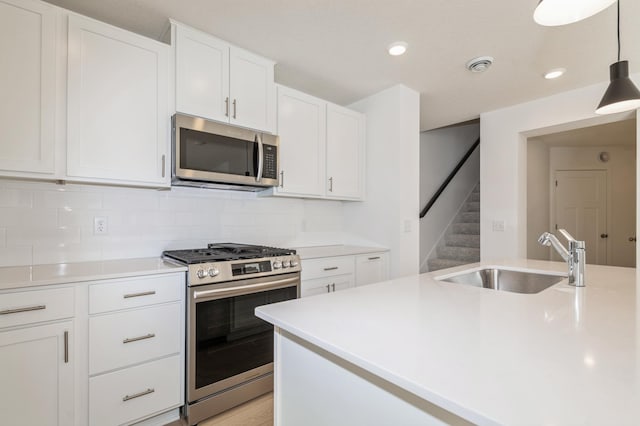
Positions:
(479, 64)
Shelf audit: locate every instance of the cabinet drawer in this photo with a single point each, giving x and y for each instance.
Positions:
(372, 268)
(122, 294)
(326, 285)
(28, 307)
(326, 267)
(127, 338)
(133, 393)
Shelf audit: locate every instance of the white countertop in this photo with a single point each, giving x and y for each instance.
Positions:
(39, 275)
(564, 356)
(337, 250)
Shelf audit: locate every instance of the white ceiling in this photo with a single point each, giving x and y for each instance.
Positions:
(617, 133)
(336, 49)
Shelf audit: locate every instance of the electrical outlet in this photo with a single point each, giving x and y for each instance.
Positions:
(100, 225)
(498, 226)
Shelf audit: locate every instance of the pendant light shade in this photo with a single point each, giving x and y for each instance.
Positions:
(622, 94)
(552, 13)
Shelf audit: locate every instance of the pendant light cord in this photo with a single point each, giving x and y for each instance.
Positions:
(618, 2)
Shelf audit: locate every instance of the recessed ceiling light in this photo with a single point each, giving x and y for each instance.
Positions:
(554, 73)
(397, 48)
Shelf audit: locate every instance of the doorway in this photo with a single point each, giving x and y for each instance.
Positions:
(594, 201)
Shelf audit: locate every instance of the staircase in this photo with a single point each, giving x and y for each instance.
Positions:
(462, 238)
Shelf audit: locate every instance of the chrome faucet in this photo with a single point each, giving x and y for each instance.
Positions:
(575, 256)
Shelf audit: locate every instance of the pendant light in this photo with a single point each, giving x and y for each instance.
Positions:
(622, 94)
(551, 13)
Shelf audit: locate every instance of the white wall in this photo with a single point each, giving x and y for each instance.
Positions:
(389, 214)
(47, 223)
(538, 191)
(503, 169)
(440, 151)
(621, 193)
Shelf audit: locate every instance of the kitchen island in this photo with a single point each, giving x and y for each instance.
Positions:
(416, 350)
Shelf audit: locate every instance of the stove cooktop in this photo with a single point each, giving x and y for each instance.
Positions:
(221, 252)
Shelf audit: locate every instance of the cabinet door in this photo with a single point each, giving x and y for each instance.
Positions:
(27, 86)
(252, 91)
(118, 122)
(371, 268)
(326, 285)
(202, 75)
(302, 131)
(345, 153)
(36, 383)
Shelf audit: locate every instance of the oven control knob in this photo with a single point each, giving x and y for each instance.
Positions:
(201, 273)
(213, 272)
(294, 263)
(277, 264)
(285, 263)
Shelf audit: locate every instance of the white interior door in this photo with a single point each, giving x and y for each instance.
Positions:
(581, 209)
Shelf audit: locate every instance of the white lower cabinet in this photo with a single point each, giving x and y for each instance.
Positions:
(36, 357)
(124, 396)
(372, 268)
(329, 274)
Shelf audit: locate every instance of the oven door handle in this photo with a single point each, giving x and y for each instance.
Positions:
(219, 293)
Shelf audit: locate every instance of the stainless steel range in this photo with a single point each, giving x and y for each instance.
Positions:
(229, 349)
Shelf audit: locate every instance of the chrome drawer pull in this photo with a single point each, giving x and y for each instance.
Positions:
(333, 268)
(374, 258)
(135, 339)
(144, 293)
(27, 309)
(66, 347)
(138, 395)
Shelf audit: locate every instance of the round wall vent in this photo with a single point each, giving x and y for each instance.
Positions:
(479, 64)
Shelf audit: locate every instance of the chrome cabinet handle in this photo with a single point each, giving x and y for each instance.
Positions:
(235, 107)
(144, 293)
(135, 339)
(333, 268)
(281, 178)
(374, 258)
(260, 157)
(25, 309)
(138, 395)
(163, 164)
(331, 184)
(66, 347)
(226, 108)
(333, 287)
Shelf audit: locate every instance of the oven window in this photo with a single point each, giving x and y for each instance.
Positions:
(209, 152)
(230, 339)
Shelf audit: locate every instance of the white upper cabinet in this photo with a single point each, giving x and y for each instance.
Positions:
(302, 131)
(118, 119)
(218, 81)
(345, 153)
(27, 87)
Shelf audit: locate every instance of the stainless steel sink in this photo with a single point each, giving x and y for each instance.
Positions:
(505, 280)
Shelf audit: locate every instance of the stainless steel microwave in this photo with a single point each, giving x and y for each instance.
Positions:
(216, 155)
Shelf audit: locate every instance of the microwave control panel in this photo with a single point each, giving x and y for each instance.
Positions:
(270, 156)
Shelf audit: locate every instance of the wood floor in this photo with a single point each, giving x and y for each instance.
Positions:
(257, 412)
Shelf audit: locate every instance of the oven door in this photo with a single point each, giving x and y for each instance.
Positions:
(226, 343)
(214, 152)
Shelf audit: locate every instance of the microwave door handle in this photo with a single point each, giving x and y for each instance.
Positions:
(260, 157)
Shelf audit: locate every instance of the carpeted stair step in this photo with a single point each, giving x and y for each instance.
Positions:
(437, 264)
(463, 240)
(468, 254)
(471, 206)
(469, 217)
(466, 228)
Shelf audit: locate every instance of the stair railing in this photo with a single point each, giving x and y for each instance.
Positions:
(449, 178)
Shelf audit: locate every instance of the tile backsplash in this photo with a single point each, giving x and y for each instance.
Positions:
(42, 222)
